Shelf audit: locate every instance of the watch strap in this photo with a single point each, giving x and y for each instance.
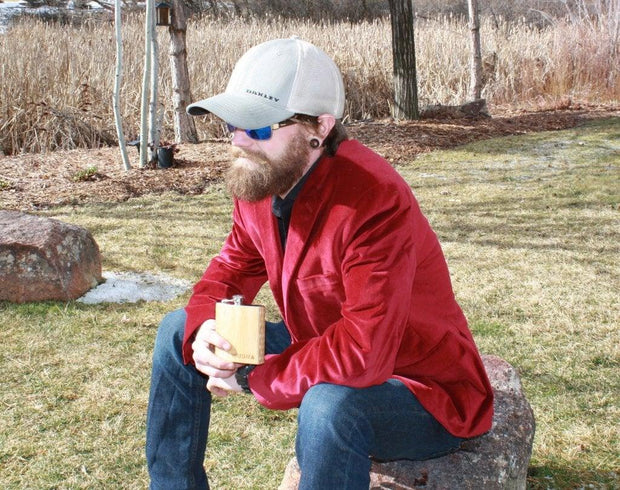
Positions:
(241, 377)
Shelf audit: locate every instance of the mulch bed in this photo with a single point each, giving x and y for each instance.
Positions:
(35, 181)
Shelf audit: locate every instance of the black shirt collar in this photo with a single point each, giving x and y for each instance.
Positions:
(282, 208)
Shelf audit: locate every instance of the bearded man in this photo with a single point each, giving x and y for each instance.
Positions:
(372, 347)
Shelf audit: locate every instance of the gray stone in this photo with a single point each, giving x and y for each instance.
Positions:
(472, 110)
(45, 259)
(496, 460)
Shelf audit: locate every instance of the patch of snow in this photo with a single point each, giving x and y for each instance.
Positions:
(131, 287)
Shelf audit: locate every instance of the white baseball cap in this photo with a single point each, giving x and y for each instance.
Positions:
(274, 81)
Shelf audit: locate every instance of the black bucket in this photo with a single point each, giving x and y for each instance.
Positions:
(165, 157)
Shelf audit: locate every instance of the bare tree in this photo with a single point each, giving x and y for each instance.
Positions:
(149, 28)
(118, 78)
(475, 63)
(154, 121)
(403, 53)
(184, 126)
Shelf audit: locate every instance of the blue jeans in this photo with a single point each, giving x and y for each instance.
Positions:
(339, 428)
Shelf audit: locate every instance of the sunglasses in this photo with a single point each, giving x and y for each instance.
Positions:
(261, 134)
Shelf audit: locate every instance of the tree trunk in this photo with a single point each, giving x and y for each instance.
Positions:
(184, 126)
(475, 64)
(118, 78)
(144, 103)
(153, 119)
(403, 53)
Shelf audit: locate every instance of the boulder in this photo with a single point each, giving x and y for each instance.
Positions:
(45, 259)
(496, 460)
(474, 109)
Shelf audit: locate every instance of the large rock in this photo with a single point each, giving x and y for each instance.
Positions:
(45, 259)
(474, 109)
(496, 460)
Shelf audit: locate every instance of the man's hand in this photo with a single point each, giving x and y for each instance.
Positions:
(204, 356)
(223, 386)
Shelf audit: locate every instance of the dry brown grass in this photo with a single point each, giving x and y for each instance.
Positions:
(57, 81)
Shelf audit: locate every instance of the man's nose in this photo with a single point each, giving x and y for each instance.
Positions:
(240, 138)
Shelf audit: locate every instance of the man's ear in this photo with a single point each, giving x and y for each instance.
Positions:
(326, 123)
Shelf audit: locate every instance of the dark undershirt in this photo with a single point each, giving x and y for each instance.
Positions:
(283, 208)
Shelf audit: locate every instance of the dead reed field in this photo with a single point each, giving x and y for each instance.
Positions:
(57, 81)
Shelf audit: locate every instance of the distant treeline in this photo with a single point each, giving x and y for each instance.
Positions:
(538, 12)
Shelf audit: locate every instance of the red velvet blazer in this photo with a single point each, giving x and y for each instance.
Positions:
(363, 288)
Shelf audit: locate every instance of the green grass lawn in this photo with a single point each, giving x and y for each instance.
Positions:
(530, 226)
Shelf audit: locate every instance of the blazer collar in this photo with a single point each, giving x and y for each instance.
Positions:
(308, 207)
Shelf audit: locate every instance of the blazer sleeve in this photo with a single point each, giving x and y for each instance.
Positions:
(237, 269)
(360, 347)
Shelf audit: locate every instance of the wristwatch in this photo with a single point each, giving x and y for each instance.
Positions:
(242, 377)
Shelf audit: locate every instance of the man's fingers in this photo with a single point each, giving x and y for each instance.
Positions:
(217, 386)
(207, 334)
(215, 389)
(205, 359)
(208, 363)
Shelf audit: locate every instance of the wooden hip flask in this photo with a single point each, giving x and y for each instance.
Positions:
(243, 326)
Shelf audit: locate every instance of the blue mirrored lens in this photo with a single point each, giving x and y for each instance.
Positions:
(260, 133)
(256, 134)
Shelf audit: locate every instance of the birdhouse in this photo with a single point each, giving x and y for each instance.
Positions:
(163, 13)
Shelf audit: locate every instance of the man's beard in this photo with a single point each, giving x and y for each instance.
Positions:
(266, 176)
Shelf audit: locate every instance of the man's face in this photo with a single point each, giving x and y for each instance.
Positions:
(265, 168)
